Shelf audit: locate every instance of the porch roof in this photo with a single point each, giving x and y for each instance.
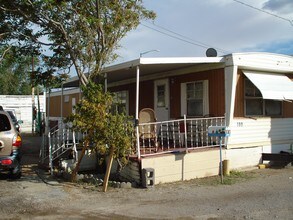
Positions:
(149, 66)
(155, 67)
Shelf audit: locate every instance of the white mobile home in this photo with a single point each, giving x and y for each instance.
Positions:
(250, 93)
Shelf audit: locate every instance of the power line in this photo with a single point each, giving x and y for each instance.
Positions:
(188, 38)
(180, 37)
(263, 11)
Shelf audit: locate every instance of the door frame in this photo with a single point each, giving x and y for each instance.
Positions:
(165, 82)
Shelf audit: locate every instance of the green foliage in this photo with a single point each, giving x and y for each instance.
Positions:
(102, 128)
(14, 73)
(80, 34)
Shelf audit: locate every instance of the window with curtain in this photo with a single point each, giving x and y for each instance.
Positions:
(255, 105)
(195, 98)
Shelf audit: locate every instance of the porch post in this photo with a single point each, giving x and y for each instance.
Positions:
(230, 91)
(47, 109)
(106, 82)
(136, 112)
(185, 133)
(61, 126)
(61, 103)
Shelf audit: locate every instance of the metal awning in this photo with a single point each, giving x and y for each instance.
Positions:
(271, 85)
(150, 67)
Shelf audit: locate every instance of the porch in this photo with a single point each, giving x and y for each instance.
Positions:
(174, 136)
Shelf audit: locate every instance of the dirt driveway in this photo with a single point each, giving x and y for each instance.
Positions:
(267, 195)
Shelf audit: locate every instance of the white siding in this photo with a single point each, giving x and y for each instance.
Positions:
(260, 131)
(22, 104)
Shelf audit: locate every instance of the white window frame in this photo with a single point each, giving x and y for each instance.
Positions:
(205, 97)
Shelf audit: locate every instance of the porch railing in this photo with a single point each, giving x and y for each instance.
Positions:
(181, 134)
(61, 140)
(154, 138)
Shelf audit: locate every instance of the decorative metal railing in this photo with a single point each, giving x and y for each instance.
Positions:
(181, 134)
(154, 138)
(59, 141)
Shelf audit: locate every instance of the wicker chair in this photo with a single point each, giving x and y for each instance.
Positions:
(147, 132)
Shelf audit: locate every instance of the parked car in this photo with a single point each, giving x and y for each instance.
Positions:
(16, 122)
(10, 145)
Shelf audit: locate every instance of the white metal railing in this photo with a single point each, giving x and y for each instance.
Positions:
(180, 134)
(59, 140)
(154, 138)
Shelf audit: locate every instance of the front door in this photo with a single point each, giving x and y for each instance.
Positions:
(162, 99)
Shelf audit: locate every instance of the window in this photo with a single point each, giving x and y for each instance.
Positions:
(194, 98)
(161, 102)
(4, 123)
(255, 105)
(120, 102)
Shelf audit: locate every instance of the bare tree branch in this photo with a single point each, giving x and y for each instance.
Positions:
(4, 53)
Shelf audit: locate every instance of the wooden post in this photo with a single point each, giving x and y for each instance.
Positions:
(74, 172)
(108, 171)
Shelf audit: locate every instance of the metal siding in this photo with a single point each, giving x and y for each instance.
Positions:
(254, 132)
(216, 91)
(55, 109)
(22, 104)
(261, 61)
(239, 98)
(288, 109)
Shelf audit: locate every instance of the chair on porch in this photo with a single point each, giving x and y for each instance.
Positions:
(147, 128)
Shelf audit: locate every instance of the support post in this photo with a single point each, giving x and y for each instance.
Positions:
(136, 113)
(230, 91)
(108, 171)
(185, 132)
(221, 161)
(50, 154)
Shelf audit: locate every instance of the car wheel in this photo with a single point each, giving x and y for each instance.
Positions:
(15, 173)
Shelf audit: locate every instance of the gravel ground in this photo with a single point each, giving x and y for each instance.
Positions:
(260, 194)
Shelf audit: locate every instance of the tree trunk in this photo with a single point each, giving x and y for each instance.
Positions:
(109, 166)
(74, 172)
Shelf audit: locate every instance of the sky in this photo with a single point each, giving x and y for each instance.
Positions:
(187, 28)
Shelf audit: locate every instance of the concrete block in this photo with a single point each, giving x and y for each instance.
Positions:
(148, 177)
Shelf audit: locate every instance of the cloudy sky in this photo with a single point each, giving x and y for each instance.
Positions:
(188, 27)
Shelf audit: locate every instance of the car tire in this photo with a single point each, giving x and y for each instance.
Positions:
(15, 173)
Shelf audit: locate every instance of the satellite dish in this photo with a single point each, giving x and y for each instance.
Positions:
(211, 52)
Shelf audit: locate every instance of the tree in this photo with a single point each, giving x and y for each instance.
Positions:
(80, 34)
(14, 72)
(107, 133)
(83, 34)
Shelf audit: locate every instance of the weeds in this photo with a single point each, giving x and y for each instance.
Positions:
(237, 176)
(233, 178)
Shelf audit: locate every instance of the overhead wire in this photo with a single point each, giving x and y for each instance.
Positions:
(263, 11)
(175, 35)
(178, 36)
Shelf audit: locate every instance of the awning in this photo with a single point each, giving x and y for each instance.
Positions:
(271, 85)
